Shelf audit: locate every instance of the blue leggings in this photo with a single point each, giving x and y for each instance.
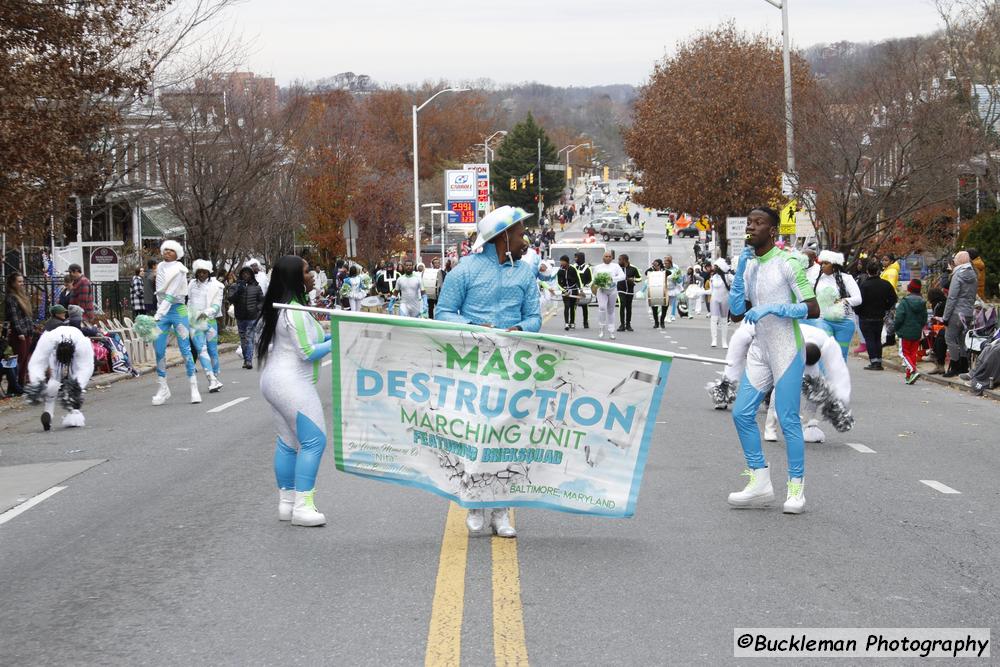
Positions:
(176, 319)
(297, 469)
(206, 345)
(842, 331)
(787, 392)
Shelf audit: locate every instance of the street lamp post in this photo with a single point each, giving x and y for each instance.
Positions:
(787, 60)
(416, 171)
(571, 149)
(443, 223)
(431, 206)
(486, 160)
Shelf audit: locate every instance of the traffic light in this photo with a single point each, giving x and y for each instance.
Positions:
(513, 184)
(606, 173)
(524, 183)
(531, 178)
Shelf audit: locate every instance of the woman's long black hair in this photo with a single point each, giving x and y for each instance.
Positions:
(287, 285)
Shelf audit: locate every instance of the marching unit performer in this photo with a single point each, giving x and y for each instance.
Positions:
(60, 367)
(172, 313)
(774, 283)
(409, 288)
(204, 309)
(494, 289)
(291, 347)
(607, 275)
(837, 294)
(719, 306)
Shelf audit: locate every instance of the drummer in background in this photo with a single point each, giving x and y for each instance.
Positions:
(432, 301)
(659, 312)
(586, 277)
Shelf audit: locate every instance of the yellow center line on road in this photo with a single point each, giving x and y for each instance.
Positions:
(509, 648)
(444, 638)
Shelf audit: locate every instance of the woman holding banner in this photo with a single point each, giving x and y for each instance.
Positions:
(289, 351)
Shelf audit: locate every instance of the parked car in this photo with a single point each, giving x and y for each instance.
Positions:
(599, 198)
(615, 230)
(594, 226)
(662, 213)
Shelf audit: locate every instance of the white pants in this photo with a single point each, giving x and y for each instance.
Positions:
(606, 308)
(355, 304)
(410, 309)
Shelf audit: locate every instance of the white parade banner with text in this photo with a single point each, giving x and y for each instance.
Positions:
(494, 419)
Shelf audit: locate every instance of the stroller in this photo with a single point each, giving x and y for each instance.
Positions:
(981, 329)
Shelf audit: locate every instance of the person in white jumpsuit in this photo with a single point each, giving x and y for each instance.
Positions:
(204, 309)
(607, 296)
(61, 367)
(719, 306)
(409, 287)
(291, 348)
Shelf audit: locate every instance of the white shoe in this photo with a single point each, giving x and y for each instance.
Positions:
(475, 521)
(195, 396)
(73, 419)
(500, 522)
(725, 346)
(214, 384)
(286, 503)
(770, 434)
(714, 344)
(812, 432)
(758, 491)
(163, 393)
(600, 334)
(796, 500)
(612, 334)
(304, 512)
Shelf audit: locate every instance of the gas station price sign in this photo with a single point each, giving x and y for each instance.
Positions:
(465, 212)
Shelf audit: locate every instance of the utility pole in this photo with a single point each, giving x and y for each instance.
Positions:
(540, 180)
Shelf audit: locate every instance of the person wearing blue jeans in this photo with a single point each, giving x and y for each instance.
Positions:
(247, 297)
(775, 284)
(172, 313)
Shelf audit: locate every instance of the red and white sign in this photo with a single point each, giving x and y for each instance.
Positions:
(482, 184)
(460, 185)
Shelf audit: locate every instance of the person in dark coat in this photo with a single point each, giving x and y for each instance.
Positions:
(877, 297)
(247, 299)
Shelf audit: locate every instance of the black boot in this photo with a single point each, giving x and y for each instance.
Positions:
(952, 371)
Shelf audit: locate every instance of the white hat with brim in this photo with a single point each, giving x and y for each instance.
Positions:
(173, 245)
(832, 257)
(496, 222)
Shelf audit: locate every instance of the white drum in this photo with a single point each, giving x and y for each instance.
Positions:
(657, 282)
(372, 304)
(432, 279)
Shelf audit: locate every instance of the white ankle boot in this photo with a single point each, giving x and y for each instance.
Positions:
(715, 331)
(162, 393)
(214, 384)
(795, 502)
(195, 396)
(475, 521)
(286, 503)
(500, 522)
(304, 513)
(758, 491)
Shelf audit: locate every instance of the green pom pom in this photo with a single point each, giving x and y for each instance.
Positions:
(146, 328)
(602, 280)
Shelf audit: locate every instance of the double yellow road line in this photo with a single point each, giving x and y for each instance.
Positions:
(444, 638)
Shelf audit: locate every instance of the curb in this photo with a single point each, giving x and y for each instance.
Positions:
(993, 394)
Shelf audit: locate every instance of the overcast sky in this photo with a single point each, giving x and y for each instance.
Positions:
(552, 41)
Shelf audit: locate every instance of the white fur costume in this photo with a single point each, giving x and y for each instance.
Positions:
(45, 369)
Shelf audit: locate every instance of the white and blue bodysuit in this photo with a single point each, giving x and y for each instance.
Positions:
(204, 309)
(172, 313)
(777, 287)
(288, 382)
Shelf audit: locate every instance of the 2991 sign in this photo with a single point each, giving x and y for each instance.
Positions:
(466, 211)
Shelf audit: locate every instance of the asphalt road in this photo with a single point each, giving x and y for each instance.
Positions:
(170, 551)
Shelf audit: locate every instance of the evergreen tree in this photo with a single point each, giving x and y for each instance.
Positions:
(517, 157)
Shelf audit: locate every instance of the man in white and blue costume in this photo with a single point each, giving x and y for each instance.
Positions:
(774, 283)
(493, 288)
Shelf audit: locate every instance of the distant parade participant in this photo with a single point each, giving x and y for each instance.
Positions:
(837, 294)
(675, 285)
(432, 301)
(204, 309)
(172, 313)
(775, 284)
(719, 306)
(606, 291)
(586, 277)
(626, 292)
(409, 287)
(292, 344)
(61, 367)
(571, 285)
(494, 289)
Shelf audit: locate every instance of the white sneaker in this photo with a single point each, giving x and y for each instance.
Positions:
(770, 434)
(796, 500)
(214, 384)
(725, 346)
(475, 521)
(612, 334)
(758, 491)
(163, 393)
(600, 334)
(500, 522)
(812, 432)
(286, 503)
(195, 396)
(304, 512)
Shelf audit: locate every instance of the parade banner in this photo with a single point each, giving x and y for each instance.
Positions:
(494, 419)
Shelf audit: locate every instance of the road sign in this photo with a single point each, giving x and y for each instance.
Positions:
(350, 229)
(555, 167)
(703, 225)
(736, 233)
(352, 247)
(787, 224)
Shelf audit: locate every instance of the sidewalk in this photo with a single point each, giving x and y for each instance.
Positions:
(895, 364)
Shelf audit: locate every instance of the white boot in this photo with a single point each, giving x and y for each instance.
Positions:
(74, 419)
(195, 396)
(286, 503)
(304, 513)
(475, 521)
(758, 491)
(500, 521)
(714, 325)
(724, 330)
(163, 393)
(796, 499)
(812, 432)
(214, 384)
(771, 424)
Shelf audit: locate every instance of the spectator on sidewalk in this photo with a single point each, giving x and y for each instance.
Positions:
(980, 267)
(20, 325)
(83, 292)
(8, 370)
(149, 288)
(877, 297)
(911, 316)
(136, 294)
(57, 318)
(66, 293)
(958, 313)
(247, 299)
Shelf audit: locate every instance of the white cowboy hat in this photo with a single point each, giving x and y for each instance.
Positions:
(496, 222)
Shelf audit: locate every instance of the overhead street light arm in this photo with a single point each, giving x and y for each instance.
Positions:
(775, 3)
(446, 90)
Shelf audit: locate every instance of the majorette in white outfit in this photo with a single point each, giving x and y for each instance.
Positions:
(204, 309)
(719, 307)
(61, 367)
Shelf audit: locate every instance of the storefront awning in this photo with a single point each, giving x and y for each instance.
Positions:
(160, 223)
